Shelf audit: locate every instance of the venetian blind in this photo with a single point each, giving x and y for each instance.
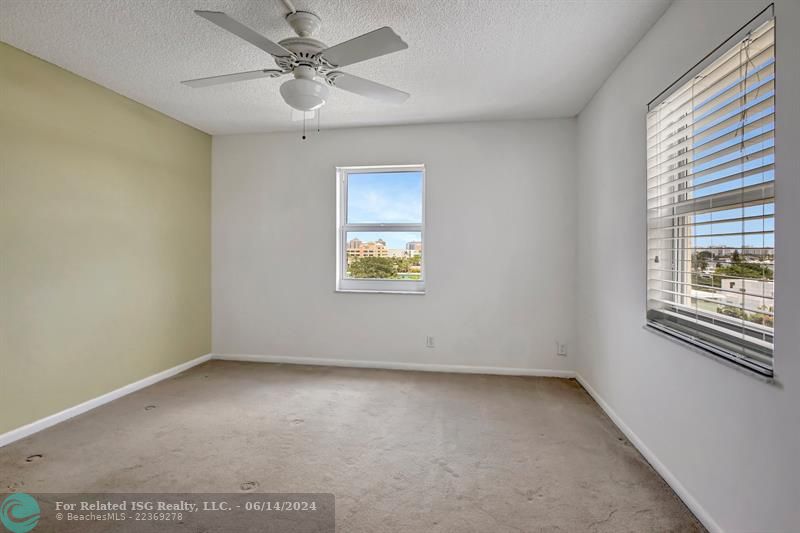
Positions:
(711, 204)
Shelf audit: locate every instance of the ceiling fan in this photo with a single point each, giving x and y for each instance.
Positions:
(315, 66)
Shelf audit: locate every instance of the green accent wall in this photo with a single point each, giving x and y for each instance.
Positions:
(105, 209)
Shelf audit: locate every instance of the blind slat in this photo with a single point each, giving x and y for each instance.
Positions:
(764, 203)
(703, 224)
(760, 166)
(705, 154)
(733, 124)
(721, 329)
(696, 297)
(752, 193)
(721, 290)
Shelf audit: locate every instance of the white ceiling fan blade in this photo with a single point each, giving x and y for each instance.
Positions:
(231, 78)
(370, 89)
(240, 30)
(373, 44)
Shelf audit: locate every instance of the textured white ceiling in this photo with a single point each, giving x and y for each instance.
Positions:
(467, 59)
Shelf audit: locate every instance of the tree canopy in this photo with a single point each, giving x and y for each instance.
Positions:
(744, 270)
(383, 267)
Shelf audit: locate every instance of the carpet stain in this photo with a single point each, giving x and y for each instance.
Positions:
(446, 467)
(248, 486)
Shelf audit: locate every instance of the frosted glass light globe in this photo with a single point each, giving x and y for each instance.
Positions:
(304, 94)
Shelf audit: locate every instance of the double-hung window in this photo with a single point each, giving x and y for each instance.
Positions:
(711, 202)
(381, 229)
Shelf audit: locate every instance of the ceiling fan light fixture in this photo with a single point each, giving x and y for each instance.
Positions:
(304, 94)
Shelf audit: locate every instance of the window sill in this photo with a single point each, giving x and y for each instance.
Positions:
(367, 291)
(711, 355)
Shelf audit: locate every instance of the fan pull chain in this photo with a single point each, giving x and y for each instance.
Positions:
(304, 125)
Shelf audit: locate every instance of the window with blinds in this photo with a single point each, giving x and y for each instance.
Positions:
(711, 202)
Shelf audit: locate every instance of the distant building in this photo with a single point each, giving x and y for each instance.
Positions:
(378, 248)
(413, 248)
(756, 294)
(757, 252)
(722, 251)
(359, 248)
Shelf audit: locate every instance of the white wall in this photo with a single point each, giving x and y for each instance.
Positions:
(732, 441)
(500, 246)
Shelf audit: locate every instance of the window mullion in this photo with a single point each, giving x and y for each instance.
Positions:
(382, 227)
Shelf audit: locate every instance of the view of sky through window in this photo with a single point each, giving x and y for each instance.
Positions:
(384, 197)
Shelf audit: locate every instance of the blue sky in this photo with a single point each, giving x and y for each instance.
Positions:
(385, 197)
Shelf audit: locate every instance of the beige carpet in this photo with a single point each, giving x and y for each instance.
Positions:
(401, 451)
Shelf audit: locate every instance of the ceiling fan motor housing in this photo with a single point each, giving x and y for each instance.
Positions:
(306, 51)
(305, 48)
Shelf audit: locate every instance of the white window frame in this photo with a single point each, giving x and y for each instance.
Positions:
(712, 320)
(392, 286)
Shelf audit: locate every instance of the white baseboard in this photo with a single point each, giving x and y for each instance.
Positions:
(682, 492)
(389, 365)
(33, 427)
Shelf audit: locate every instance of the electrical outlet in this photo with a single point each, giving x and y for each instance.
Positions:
(429, 342)
(561, 349)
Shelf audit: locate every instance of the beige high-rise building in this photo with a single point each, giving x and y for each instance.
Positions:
(359, 248)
